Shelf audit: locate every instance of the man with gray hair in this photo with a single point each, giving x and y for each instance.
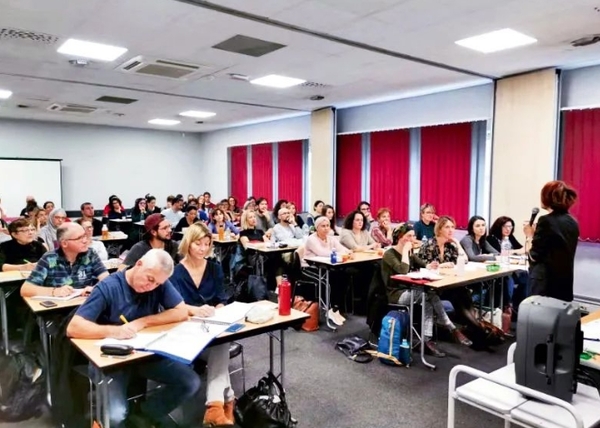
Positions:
(73, 265)
(120, 306)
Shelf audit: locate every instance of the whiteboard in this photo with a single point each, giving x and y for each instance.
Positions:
(22, 177)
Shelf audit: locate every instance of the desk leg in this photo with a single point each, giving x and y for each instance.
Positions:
(423, 360)
(492, 299)
(282, 357)
(4, 320)
(411, 312)
(46, 348)
(102, 395)
(271, 354)
(328, 300)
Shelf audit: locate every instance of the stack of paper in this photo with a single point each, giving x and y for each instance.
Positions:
(227, 315)
(424, 274)
(75, 293)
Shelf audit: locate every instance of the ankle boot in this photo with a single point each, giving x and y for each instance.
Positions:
(214, 416)
(228, 410)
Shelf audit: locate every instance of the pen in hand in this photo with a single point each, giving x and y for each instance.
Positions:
(122, 318)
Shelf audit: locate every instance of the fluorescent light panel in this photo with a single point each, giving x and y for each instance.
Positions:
(164, 122)
(276, 81)
(5, 94)
(98, 51)
(197, 114)
(496, 41)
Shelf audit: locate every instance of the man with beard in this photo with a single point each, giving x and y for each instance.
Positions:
(158, 235)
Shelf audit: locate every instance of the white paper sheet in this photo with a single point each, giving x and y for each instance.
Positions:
(75, 293)
(140, 341)
(424, 274)
(229, 314)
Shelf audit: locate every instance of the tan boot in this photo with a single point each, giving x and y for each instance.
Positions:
(228, 410)
(214, 416)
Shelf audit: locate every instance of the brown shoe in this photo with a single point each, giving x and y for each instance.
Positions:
(461, 338)
(228, 410)
(432, 349)
(214, 416)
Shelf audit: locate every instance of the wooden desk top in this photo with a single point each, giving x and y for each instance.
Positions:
(262, 248)
(34, 304)
(357, 257)
(92, 351)
(13, 276)
(591, 317)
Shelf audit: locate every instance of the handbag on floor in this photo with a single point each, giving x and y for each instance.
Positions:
(355, 348)
(264, 406)
(310, 308)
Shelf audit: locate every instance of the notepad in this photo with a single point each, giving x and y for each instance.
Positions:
(140, 341)
(424, 274)
(227, 315)
(75, 293)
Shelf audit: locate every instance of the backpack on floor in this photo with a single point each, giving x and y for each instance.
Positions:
(394, 328)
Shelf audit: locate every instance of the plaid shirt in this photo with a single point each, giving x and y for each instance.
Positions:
(54, 270)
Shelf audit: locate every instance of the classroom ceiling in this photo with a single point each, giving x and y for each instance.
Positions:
(351, 52)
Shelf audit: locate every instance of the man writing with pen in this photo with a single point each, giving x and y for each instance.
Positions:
(119, 307)
(74, 265)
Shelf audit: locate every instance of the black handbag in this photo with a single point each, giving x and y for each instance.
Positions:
(257, 288)
(355, 348)
(264, 406)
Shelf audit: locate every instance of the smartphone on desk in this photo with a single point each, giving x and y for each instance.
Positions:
(48, 304)
(235, 328)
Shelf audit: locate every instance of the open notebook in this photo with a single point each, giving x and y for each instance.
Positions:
(75, 293)
(227, 315)
(182, 343)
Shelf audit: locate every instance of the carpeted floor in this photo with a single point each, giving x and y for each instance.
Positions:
(326, 390)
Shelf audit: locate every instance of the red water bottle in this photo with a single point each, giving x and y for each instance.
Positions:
(285, 297)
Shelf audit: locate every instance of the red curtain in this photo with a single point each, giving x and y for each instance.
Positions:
(238, 177)
(349, 173)
(289, 174)
(262, 171)
(446, 169)
(390, 165)
(580, 161)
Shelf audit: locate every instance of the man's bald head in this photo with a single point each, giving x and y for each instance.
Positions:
(69, 231)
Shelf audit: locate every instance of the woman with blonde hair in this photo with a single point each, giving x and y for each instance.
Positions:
(200, 281)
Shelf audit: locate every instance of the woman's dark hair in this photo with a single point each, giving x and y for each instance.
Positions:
(136, 208)
(278, 205)
(361, 203)
(149, 198)
(214, 213)
(349, 220)
(496, 229)
(317, 202)
(324, 210)
(191, 208)
(472, 221)
(170, 198)
(112, 201)
(401, 230)
(558, 196)
(251, 198)
(259, 200)
(46, 204)
(235, 202)
(110, 198)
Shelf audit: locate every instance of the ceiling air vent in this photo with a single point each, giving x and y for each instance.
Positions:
(17, 35)
(161, 68)
(586, 41)
(72, 108)
(313, 85)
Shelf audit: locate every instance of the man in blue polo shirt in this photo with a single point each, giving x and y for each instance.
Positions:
(73, 265)
(144, 296)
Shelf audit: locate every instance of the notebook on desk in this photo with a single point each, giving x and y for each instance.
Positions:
(75, 293)
(227, 315)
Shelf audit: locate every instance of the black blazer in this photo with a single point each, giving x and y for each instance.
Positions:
(552, 256)
(497, 243)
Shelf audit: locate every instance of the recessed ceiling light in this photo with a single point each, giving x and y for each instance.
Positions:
(91, 50)
(276, 81)
(496, 41)
(197, 114)
(164, 122)
(5, 94)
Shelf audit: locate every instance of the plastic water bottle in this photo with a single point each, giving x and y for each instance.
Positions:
(228, 235)
(333, 256)
(460, 266)
(505, 248)
(305, 230)
(405, 357)
(423, 241)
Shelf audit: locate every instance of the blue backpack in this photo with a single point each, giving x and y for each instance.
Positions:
(394, 328)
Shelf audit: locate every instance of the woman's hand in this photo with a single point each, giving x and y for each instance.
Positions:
(407, 247)
(376, 245)
(447, 265)
(434, 265)
(204, 311)
(528, 230)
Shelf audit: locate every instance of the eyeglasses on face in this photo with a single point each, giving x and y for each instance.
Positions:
(79, 238)
(26, 230)
(60, 217)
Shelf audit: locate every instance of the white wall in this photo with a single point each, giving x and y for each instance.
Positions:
(580, 88)
(99, 161)
(460, 105)
(213, 147)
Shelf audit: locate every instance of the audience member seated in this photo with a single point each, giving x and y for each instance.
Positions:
(224, 206)
(220, 221)
(2, 211)
(145, 297)
(317, 211)
(108, 207)
(31, 211)
(41, 219)
(294, 215)
(191, 217)
(22, 252)
(365, 208)
(29, 202)
(282, 203)
(235, 209)
(48, 207)
(208, 204)
(97, 246)
(140, 211)
(400, 259)
(249, 232)
(170, 199)
(48, 233)
(157, 236)
(72, 266)
(329, 212)
(286, 228)
(4, 233)
(174, 214)
(250, 204)
(354, 235)
(116, 210)
(382, 232)
(200, 281)
(87, 214)
(264, 219)
(151, 207)
(503, 231)
(445, 249)
(425, 226)
(474, 242)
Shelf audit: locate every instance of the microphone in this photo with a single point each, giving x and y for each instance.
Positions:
(534, 213)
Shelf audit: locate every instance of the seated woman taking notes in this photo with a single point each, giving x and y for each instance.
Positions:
(201, 284)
